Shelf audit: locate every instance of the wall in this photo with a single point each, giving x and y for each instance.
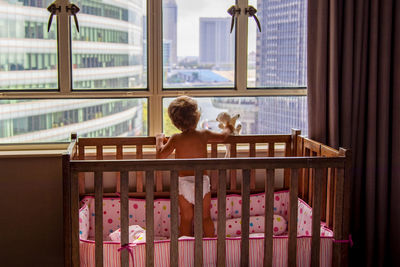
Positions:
(31, 227)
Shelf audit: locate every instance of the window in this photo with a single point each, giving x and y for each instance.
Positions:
(55, 119)
(198, 49)
(109, 51)
(117, 75)
(258, 115)
(28, 53)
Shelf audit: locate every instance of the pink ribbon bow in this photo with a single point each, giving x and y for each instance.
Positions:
(127, 247)
(345, 241)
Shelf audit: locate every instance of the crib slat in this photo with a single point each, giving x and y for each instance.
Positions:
(98, 190)
(198, 218)
(124, 218)
(174, 254)
(118, 181)
(271, 149)
(286, 172)
(214, 173)
(233, 171)
(268, 222)
(139, 174)
(244, 247)
(99, 152)
(330, 197)
(292, 252)
(310, 186)
(149, 218)
(301, 178)
(221, 227)
(338, 216)
(75, 219)
(159, 182)
(316, 217)
(295, 134)
(306, 174)
(252, 154)
(324, 183)
(81, 174)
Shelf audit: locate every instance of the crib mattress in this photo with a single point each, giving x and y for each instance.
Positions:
(186, 245)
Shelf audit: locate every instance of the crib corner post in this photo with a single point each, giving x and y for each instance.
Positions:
(346, 202)
(295, 134)
(66, 180)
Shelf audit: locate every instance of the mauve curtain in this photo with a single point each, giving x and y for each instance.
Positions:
(354, 102)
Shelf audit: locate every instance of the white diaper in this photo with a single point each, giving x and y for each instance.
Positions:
(186, 187)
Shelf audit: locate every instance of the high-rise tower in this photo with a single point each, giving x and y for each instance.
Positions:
(281, 46)
(170, 14)
(216, 43)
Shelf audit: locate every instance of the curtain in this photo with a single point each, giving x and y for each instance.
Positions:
(354, 102)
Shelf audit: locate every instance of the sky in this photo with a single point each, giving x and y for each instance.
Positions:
(189, 12)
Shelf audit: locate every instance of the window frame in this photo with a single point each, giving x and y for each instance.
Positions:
(155, 91)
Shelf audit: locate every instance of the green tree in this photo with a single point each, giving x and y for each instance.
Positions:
(169, 128)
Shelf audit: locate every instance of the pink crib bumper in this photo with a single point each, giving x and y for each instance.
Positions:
(111, 216)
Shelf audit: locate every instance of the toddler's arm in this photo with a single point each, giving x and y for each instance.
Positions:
(219, 137)
(164, 150)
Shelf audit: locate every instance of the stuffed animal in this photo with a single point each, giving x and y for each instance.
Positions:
(225, 120)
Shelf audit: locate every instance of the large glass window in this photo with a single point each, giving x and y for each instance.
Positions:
(258, 115)
(54, 120)
(109, 52)
(198, 49)
(28, 53)
(134, 64)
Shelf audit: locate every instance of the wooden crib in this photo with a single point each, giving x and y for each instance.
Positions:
(314, 172)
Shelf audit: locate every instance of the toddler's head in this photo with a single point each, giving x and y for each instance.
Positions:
(184, 113)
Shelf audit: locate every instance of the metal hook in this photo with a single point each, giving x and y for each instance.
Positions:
(74, 9)
(232, 11)
(251, 11)
(53, 9)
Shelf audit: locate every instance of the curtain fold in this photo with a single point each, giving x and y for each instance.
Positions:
(353, 102)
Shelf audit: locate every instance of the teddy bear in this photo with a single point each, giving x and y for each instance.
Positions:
(225, 120)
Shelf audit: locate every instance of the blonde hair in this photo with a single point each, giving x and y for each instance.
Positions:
(183, 112)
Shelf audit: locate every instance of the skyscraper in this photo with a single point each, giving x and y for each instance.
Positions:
(281, 46)
(170, 14)
(104, 55)
(216, 45)
(281, 62)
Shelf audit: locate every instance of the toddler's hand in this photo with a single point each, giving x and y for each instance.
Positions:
(160, 136)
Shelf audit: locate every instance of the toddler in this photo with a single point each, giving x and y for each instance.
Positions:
(190, 143)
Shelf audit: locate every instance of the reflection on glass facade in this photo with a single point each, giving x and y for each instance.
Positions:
(28, 53)
(55, 120)
(258, 115)
(280, 57)
(108, 52)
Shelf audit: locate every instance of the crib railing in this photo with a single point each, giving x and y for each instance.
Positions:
(318, 165)
(136, 147)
